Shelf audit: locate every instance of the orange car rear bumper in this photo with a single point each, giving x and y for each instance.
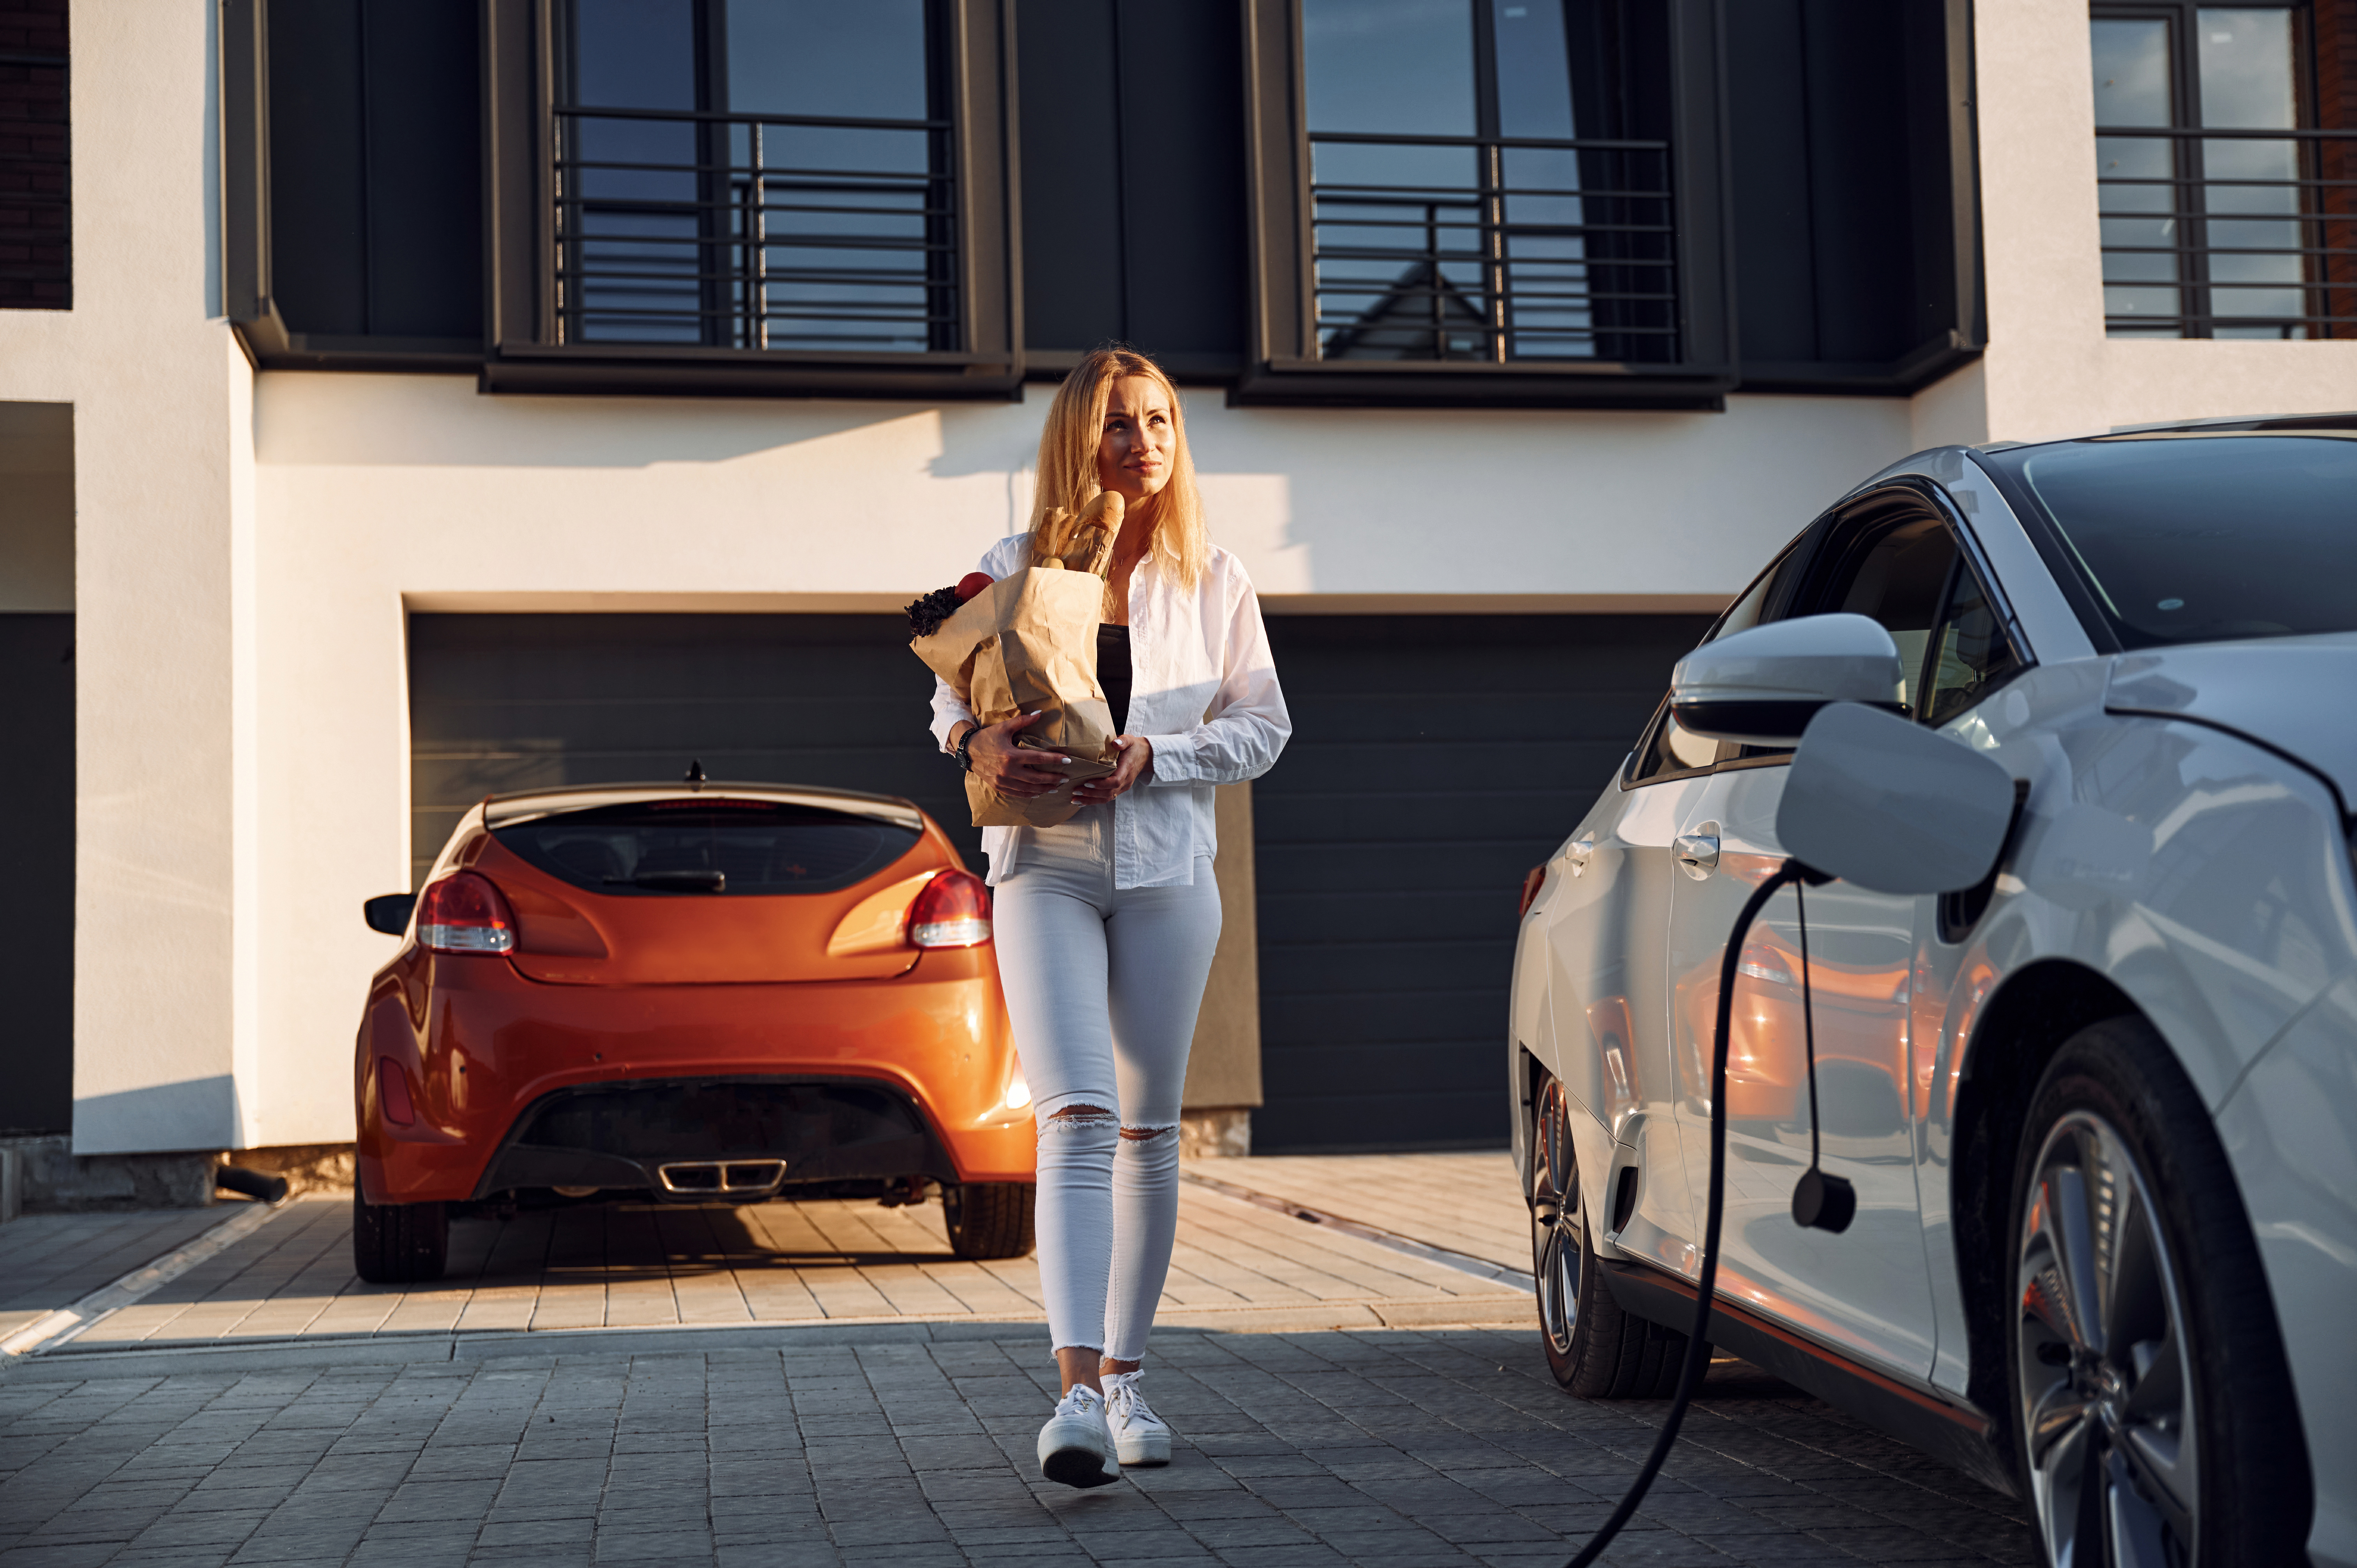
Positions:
(479, 1044)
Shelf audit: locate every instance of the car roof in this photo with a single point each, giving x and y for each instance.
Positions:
(2338, 426)
(527, 805)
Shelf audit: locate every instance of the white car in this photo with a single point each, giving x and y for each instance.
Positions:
(2098, 1110)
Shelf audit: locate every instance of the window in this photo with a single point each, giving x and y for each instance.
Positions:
(2202, 537)
(1478, 186)
(1486, 200)
(1667, 749)
(728, 846)
(1971, 655)
(36, 224)
(753, 174)
(756, 195)
(1894, 560)
(2228, 204)
(1894, 574)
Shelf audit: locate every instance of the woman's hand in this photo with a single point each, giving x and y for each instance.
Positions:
(1136, 762)
(1011, 769)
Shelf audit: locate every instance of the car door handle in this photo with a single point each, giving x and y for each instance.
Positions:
(1575, 854)
(1697, 852)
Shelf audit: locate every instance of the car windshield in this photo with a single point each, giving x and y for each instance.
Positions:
(709, 846)
(2199, 537)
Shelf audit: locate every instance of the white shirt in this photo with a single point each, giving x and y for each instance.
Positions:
(1202, 689)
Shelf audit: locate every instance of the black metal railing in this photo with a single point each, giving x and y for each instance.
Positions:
(771, 231)
(35, 183)
(1493, 249)
(2228, 233)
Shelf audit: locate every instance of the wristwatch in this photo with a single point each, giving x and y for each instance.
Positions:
(965, 749)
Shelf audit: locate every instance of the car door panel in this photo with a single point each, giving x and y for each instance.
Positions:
(1604, 992)
(1866, 1290)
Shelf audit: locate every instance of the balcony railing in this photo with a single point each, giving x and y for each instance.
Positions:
(2228, 233)
(1496, 249)
(763, 231)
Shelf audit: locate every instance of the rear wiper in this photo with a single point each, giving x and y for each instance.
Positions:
(680, 881)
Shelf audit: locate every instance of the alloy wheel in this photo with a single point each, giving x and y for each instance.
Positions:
(2104, 1361)
(1557, 1222)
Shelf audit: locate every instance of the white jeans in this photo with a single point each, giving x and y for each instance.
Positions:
(1103, 988)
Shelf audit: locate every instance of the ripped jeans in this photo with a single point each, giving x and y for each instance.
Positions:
(1103, 988)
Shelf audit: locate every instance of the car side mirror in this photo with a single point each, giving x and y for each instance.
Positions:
(1763, 686)
(390, 913)
(1892, 806)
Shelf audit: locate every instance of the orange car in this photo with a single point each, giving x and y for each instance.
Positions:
(687, 994)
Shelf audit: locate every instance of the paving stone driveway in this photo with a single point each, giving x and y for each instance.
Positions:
(1381, 1447)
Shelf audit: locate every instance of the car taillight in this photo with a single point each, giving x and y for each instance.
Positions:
(393, 1093)
(952, 910)
(464, 913)
(1535, 879)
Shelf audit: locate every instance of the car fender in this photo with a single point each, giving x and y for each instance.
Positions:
(2290, 1131)
(2189, 874)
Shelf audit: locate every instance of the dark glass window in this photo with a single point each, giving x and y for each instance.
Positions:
(732, 847)
(755, 173)
(2224, 197)
(36, 172)
(1894, 574)
(1490, 182)
(1670, 749)
(1972, 656)
(2204, 538)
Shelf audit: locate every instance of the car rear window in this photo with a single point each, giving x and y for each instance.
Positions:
(2204, 538)
(707, 846)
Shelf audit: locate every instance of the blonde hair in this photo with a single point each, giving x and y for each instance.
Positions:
(1068, 460)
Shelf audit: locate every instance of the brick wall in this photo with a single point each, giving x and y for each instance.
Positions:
(36, 265)
(2336, 110)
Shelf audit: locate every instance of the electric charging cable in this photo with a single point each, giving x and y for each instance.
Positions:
(1794, 875)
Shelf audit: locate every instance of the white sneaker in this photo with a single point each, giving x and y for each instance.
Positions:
(1139, 1436)
(1076, 1446)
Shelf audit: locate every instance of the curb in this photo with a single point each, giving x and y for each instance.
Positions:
(64, 1324)
(171, 1358)
(1465, 1263)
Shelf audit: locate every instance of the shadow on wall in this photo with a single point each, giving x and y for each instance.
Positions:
(328, 421)
(194, 1114)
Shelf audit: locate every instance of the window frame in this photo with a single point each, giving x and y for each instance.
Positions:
(522, 353)
(2197, 318)
(1282, 365)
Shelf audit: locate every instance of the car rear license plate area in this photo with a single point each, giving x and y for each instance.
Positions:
(731, 1140)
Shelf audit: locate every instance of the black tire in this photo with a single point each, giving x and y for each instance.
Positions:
(1595, 1349)
(399, 1244)
(989, 1219)
(2180, 1339)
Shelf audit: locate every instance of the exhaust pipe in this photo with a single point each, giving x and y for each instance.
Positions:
(250, 1184)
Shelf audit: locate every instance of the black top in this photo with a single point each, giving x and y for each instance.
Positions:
(1113, 671)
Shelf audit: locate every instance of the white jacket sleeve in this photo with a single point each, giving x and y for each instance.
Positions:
(948, 712)
(1245, 725)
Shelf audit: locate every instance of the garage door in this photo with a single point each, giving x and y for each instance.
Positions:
(525, 701)
(1435, 759)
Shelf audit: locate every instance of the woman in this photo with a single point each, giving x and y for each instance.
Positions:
(1105, 925)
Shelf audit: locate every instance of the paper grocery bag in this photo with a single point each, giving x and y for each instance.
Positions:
(1027, 644)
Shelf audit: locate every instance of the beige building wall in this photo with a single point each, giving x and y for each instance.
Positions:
(165, 1014)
